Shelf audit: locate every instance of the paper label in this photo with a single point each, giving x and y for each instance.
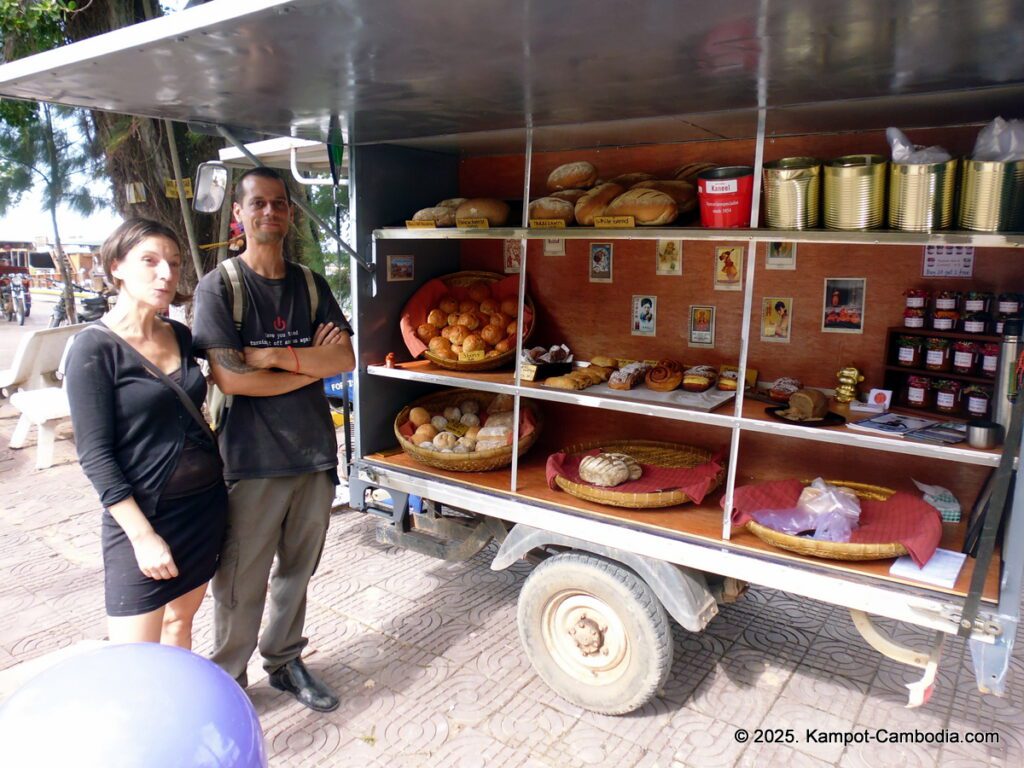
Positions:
(974, 305)
(528, 372)
(547, 224)
(472, 357)
(1009, 307)
(948, 261)
(410, 224)
(613, 222)
(990, 363)
(915, 395)
(945, 400)
(945, 303)
(974, 326)
(480, 223)
(935, 357)
(913, 322)
(915, 302)
(977, 405)
(963, 359)
(623, 362)
(457, 428)
(907, 354)
(999, 327)
(722, 187)
(942, 323)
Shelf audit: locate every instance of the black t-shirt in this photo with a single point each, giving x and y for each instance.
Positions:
(289, 434)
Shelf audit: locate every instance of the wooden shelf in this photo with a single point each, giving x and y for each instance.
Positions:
(700, 523)
(940, 374)
(955, 335)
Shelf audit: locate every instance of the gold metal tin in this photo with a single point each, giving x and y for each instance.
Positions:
(855, 192)
(791, 193)
(921, 196)
(992, 196)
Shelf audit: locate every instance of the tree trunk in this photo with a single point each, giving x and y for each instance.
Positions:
(62, 260)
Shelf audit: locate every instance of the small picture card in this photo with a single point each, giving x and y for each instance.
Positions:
(843, 310)
(948, 261)
(669, 260)
(776, 319)
(600, 262)
(554, 246)
(781, 256)
(512, 255)
(645, 315)
(702, 326)
(400, 268)
(729, 268)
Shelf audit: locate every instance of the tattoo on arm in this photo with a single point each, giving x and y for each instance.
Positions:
(232, 360)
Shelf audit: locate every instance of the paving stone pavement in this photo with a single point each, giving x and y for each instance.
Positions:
(427, 660)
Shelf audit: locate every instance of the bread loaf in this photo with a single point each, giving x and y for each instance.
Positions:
(594, 202)
(609, 469)
(578, 175)
(629, 180)
(552, 208)
(648, 207)
(569, 195)
(806, 405)
(441, 215)
(689, 171)
(452, 202)
(495, 211)
(683, 192)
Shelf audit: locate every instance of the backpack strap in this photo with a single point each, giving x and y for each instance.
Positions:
(314, 295)
(231, 275)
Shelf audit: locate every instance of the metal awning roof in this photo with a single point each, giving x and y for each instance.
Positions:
(310, 156)
(462, 74)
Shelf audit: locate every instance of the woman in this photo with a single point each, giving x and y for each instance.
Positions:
(153, 463)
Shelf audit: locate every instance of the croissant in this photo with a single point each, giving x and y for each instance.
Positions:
(609, 469)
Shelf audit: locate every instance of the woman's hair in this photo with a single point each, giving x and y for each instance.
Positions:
(779, 306)
(130, 233)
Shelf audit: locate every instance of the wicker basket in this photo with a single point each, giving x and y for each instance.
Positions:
(672, 455)
(834, 550)
(479, 461)
(488, 363)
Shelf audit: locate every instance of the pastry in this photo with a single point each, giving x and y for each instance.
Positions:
(663, 378)
(648, 207)
(609, 469)
(594, 202)
(442, 216)
(689, 171)
(578, 175)
(495, 211)
(629, 376)
(699, 378)
(564, 382)
(783, 388)
(806, 405)
(552, 208)
(604, 361)
(727, 378)
(683, 192)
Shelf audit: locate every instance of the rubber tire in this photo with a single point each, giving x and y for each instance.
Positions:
(647, 628)
(19, 311)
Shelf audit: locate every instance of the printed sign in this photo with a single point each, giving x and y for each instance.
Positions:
(948, 261)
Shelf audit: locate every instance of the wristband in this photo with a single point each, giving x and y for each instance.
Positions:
(298, 368)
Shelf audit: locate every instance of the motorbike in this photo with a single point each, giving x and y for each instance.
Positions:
(14, 299)
(90, 308)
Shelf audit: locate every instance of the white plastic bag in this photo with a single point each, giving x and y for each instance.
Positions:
(836, 510)
(906, 153)
(1000, 141)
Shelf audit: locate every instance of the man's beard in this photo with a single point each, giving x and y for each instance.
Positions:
(267, 238)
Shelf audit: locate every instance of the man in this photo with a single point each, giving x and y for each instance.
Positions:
(278, 441)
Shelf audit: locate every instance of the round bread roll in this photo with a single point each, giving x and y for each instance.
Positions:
(594, 202)
(569, 195)
(499, 319)
(471, 433)
(437, 318)
(473, 343)
(492, 353)
(683, 192)
(551, 208)
(479, 292)
(419, 416)
(446, 332)
(452, 202)
(453, 318)
(426, 332)
(439, 343)
(578, 175)
(628, 180)
(495, 211)
(504, 346)
(448, 305)
(492, 334)
(689, 171)
(510, 307)
(447, 354)
(426, 430)
(512, 328)
(490, 306)
(648, 207)
(442, 216)
(468, 306)
(459, 334)
(469, 320)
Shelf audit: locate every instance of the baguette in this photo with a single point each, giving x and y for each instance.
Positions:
(648, 207)
(594, 202)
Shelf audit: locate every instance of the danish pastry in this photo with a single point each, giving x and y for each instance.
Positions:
(699, 378)
(664, 377)
(783, 388)
(629, 376)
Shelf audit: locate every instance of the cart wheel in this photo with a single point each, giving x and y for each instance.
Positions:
(20, 312)
(595, 632)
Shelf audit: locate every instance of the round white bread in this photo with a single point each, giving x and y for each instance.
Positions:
(578, 175)
(495, 211)
(689, 171)
(683, 192)
(569, 195)
(594, 202)
(648, 207)
(629, 180)
(452, 202)
(551, 208)
(441, 215)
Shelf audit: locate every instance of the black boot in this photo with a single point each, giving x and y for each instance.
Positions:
(295, 679)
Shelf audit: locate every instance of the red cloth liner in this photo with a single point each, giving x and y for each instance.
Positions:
(695, 482)
(430, 295)
(902, 517)
(526, 424)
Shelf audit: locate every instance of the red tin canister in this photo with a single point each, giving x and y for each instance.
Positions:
(725, 194)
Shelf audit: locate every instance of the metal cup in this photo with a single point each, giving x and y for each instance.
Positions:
(855, 192)
(791, 192)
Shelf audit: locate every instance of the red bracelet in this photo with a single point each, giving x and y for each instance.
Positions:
(298, 368)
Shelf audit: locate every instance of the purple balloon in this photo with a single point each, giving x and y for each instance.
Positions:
(137, 705)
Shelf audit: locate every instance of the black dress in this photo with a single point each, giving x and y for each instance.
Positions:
(135, 438)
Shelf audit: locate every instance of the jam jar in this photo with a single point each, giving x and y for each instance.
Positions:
(945, 319)
(919, 392)
(976, 322)
(936, 355)
(977, 301)
(948, 301)
(910, 351)
(989, 360)
(917, 298)
(913, 318)
(1009, 304)
(977, 400)
(965, 356)
(997, 326)
(947, 396)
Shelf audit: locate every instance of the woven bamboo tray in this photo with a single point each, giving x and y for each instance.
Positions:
(672, 455)
(488, 363)
(834, 550)
(479, 461)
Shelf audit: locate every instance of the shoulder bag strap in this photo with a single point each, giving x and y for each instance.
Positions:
(176, 388)
(231, 274)
(314, 295)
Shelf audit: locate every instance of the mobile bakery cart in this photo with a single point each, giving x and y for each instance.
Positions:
(483, 99)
